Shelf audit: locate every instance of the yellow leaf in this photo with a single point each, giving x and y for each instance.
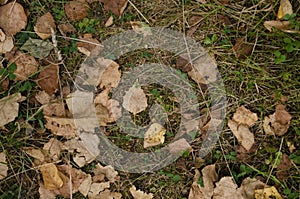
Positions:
(154, 135)
(267, 193)
(51, 177)
(284, 8)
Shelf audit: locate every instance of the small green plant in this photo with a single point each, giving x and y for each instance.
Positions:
(175, 177)
(8, 72)
(290, 194)
(279, 58)
(231, 156)
(295, 24)
(58, 13)
(210, 40)
(289, 47)
(88, 25)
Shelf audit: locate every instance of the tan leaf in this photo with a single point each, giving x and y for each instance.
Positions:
(117, 6)
(284, 8)
(179, 146)
(85, 185)
(43, 26)
(43, 97)
(226, 189)
(135, 100)
(248, 187)
(54, 148)
(37, 154)
(12, 18)
(138, 194)
(82, 156)
(3, 166)
(244, 116)
(283, 168)
(51, 177)
(6, 43)
(281, 25)
(106, 194)
(61, 126)
(96, 188)
(3, 2)
(45, 193)
(242, 49)
(111, 75)
(267, 193)
(76, 10)
(48, 79)
(108, 171)
(88, 46)
(154, 135)
(140, 28)
(242, 134)
(66, 28)
(26, 66)
(9, 107)
(109, 22)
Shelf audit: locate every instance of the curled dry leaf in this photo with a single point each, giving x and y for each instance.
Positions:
(135, 100)
(26, 66)
(96, 188)
(76, 10)
(87, 44)
(244, 116)
(48, 79)
(51, 176)
(242, 49)
(281, 25)
(284, 8)
(9, 107)
(54, 148)
(110, 173)
(85, 186)
(138, 194)
(61, 126)
(51, 108)
(3, 166)
(111, 75)
(267, 193)
(43, 26)
(109, 22)
(117, 6)
(154, 135)
(37, 47)
(6, 43)
(12, 18)
(277, 123)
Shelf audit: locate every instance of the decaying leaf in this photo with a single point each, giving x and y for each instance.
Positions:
(244, 116)
(51, 177)
(248, 187)
(96, 188)
(82, 156)
(135, 100)
(87, 44)
(66, 28)
(61, 126)
(283, 167)
(43, 26)
(85, 185)
(284, 8)
(242, 49)
(26, 66)
(117, 6)
(37, 47)
(184, 63)
(277, 123)
(3, 166)
(209, 177)
(6, 42)
(141, 28)
(12, 18)
(138, 194)
(267, 193)
(51, 107)
(109, 22)
(54, 148)
(226, 189)
(106, 194)
(179, 146)
(154, 135)
(3, 2)
(45, 193)
(110, 173)
(281, 25)
(76, 10)
(48, 79)
(9, 107)
(37, 154)
(111, 75)
(242, 133)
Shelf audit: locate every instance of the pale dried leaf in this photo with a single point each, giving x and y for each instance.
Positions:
(12, 18)
(76, 10)
(51, 177)
(85, 186)
(117, 6)
(111, 75)
(284, 8)
(108, 171)
(109, 22)
(6, 43)
(43, 26)
(244, 116)
(48, 79)
(37, 154)
(141, 28)
(106, 194)
(267, 193)
(242, 134)
(248, 187)
(9, 107)
(135, 100)
(154, 135)
(45, 193)
(87, 47)
(96, 188)
(226, 189)
(43, 97)
(54, 148)
(37, 47)
(138, 194)
(3, 166)
(179, 146)
(26, 66)
(281, 25)
(61, 126)
(55, 109)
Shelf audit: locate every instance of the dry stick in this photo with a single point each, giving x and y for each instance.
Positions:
(138, 11)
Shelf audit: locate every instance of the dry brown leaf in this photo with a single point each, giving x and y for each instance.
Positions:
(109, 22)
(283, 168)
(61, 126)
(76, 10)
(248, 187)
(54, 148)
(50, 108)
(106, 194)
(140, 28)
(267, 193)
(48, 79)
(242, 133)
(87, 47)
(183, 63)
(281, 25)
(3, 2)
(96, 188)
(12, 18)
(51, 177)
(277, 123)
(226, 189)
(82, 155)
(244, 116)
(3, 166)
(9, 107)
(37, 154)
(116, 6)
(111, 75)
(179, 146)
(85, 185)
(135, 100)
(66, 28)
(284, 8)
(242, 49)
(108, 171)
(6, 43)
(43, 26)
(26, 66)
(45, 193)
(138, 194)
(154, 135)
